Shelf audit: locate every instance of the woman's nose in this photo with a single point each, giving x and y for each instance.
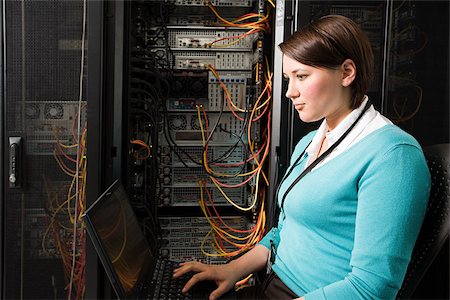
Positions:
(292, 92)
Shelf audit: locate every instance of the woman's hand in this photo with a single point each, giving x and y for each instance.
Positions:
(225, 276)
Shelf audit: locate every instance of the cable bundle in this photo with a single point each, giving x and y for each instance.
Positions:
(227, 241)
(71, 241)
(65, 226)
(223, 237)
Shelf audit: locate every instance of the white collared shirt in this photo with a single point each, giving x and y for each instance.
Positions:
(370, 121)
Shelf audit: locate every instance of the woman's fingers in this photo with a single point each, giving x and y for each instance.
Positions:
(221, 289)
(186, 267)
(194, 280)
(200, 271)
(205, 272)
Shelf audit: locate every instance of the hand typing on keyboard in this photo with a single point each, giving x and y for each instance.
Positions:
(225, 276)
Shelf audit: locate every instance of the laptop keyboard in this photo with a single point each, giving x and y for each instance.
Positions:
(165, 286)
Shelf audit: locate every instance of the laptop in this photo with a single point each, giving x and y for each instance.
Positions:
(135, 272)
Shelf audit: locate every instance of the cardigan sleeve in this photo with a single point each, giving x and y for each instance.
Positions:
(392, 197)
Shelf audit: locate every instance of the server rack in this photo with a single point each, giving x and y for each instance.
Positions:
(43, 138)
(194, 79)
(164, 52)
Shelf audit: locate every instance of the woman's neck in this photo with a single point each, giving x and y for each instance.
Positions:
(337, 117)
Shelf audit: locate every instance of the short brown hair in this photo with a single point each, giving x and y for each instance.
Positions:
(327, 43)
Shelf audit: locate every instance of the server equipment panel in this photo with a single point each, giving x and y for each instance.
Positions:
(199, 109)
(187, 239)
(51, 123)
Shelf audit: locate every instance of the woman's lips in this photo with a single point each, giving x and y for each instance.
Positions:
(299, 105)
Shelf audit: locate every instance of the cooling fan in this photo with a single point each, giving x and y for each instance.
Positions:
(177, 122)
(53, 111)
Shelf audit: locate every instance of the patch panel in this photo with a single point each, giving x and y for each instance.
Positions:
(232, 3)
(236, 84)
(229, 3)
(210, 38)
(199, 60)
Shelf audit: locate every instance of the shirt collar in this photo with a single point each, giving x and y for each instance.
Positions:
(341, 128)
(336, 133)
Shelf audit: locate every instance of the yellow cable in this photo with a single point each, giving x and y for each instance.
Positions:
(249, 244)
(251, 16)
(252, 238)
(271, 3)
(231, 201)
(249, 25)
(221, 231)
(244, 280)
(217, 229)
(251, 145)
(205, 162)
(61, 165)
(237, 39)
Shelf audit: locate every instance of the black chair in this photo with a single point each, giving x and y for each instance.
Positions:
(435, 229)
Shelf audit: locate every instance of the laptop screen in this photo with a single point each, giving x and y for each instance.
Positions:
(117, 230)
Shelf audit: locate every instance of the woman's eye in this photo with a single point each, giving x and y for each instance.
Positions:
(301, 77)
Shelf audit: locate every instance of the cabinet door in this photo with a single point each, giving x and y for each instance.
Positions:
(417, 90)
(44, 132)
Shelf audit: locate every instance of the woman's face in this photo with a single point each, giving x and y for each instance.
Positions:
(316, 93)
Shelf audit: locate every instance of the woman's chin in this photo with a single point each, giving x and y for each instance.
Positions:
(306, 117)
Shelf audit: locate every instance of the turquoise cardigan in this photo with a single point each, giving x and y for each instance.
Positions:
(349, 226)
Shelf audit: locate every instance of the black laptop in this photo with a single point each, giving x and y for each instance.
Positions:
(133, 270)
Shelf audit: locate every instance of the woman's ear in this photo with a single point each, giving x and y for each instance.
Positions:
(348, 72)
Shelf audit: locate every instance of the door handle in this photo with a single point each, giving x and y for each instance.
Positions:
(15, 162)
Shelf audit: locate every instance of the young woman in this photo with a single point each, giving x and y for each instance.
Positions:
(354, 197)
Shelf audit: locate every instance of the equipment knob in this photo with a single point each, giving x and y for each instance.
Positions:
(166, 180)
(12, 178)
